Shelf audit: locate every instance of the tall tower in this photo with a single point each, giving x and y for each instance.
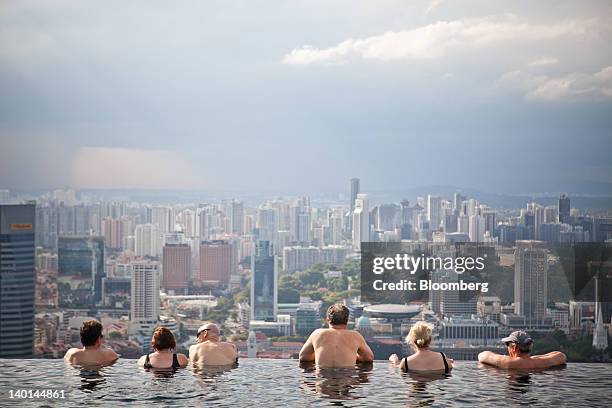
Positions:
(361, 221)
(176, 266)
(237, 217)
(354, 192)
(264, 285)
(82, 257)
(564, 209)
(144, 305)
(434, 209)
(17, 278)
(216, 262)
(530, 281)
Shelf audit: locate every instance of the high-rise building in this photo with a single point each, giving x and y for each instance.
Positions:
(176, 267)
(112, 232)
(361, 221)
(354, 192)
(17, 280)
(267, 224)
(147, 240)
(144, 303)
(4, 196)
(215, 262)
(237, 217)
(564, 209)
(82, 258)
(264, 285)
(434, 209)
(530, 281)
(163, 217)
(189, 223)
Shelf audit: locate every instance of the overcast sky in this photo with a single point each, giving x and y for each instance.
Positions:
(503, 96)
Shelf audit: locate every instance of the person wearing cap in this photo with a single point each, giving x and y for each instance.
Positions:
(209, 350)
(519, 346)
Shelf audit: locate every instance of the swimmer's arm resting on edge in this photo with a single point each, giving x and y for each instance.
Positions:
(307, 352)
(364, 352)
(490, 358)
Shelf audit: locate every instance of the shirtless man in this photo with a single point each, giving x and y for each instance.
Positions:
(519, 354)
(92, 352)
(336, 346)
(209, 351)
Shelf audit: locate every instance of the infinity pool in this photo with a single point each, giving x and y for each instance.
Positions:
(258, 383)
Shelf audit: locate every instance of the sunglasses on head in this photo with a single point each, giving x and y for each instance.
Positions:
(200, 332)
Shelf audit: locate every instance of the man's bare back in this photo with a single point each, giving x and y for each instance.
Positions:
(528, 362)
(211, 353)
(336, 347)
(91, 357)
(209, 350)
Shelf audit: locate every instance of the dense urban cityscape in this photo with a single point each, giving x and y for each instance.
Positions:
(266, 272)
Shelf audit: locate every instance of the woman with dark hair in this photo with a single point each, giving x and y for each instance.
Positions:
(163, 356)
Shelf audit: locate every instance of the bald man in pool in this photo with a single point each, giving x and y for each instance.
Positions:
(519, 356)
(209, 350)
(93, 351)
(336, 346)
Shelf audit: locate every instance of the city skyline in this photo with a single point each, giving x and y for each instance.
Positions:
(511, 97)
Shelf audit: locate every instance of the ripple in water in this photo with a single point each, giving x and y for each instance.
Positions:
(285, 383)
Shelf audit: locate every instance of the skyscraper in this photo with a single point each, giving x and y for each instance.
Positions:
(215, 262)
(147, 240)
(354, 192)
(176, 266)
(434, 208)
(361, 221)
(17, 278)
(237, 217)
(264, 285)
(564, 209)
(82, 258)
(530, 281)
(144, 304)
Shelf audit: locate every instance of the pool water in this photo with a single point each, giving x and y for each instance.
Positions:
(261, 382)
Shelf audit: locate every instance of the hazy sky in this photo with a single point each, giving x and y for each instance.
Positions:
(503, 96)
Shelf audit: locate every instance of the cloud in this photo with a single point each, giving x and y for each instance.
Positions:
(109, 168)
(570, 87)
(543, 61)
(433, 4)
(438, 40)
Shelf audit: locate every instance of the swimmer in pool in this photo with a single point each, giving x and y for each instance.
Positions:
(336, 346)
(423, 360)
(93, 351)
(163, 357)
(519, 346)
(210, 351)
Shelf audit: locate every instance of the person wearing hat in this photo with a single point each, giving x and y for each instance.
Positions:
(209, 350)
(519, 346)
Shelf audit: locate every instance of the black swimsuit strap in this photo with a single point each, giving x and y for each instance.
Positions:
(175, 362)
(446, 370)
(147, 363)
(405, 364)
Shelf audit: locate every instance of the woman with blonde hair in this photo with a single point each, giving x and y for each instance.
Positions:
(423, 359)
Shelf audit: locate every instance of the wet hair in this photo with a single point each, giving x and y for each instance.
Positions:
(163, 339)
(338, 314)
(523, 348)
(419, 335)
(91, 331)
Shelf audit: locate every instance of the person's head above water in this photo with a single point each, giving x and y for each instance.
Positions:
(419, 336)
(209, 331)
(163, 339)
(518, 342)
(91, 333)
(337, 315)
